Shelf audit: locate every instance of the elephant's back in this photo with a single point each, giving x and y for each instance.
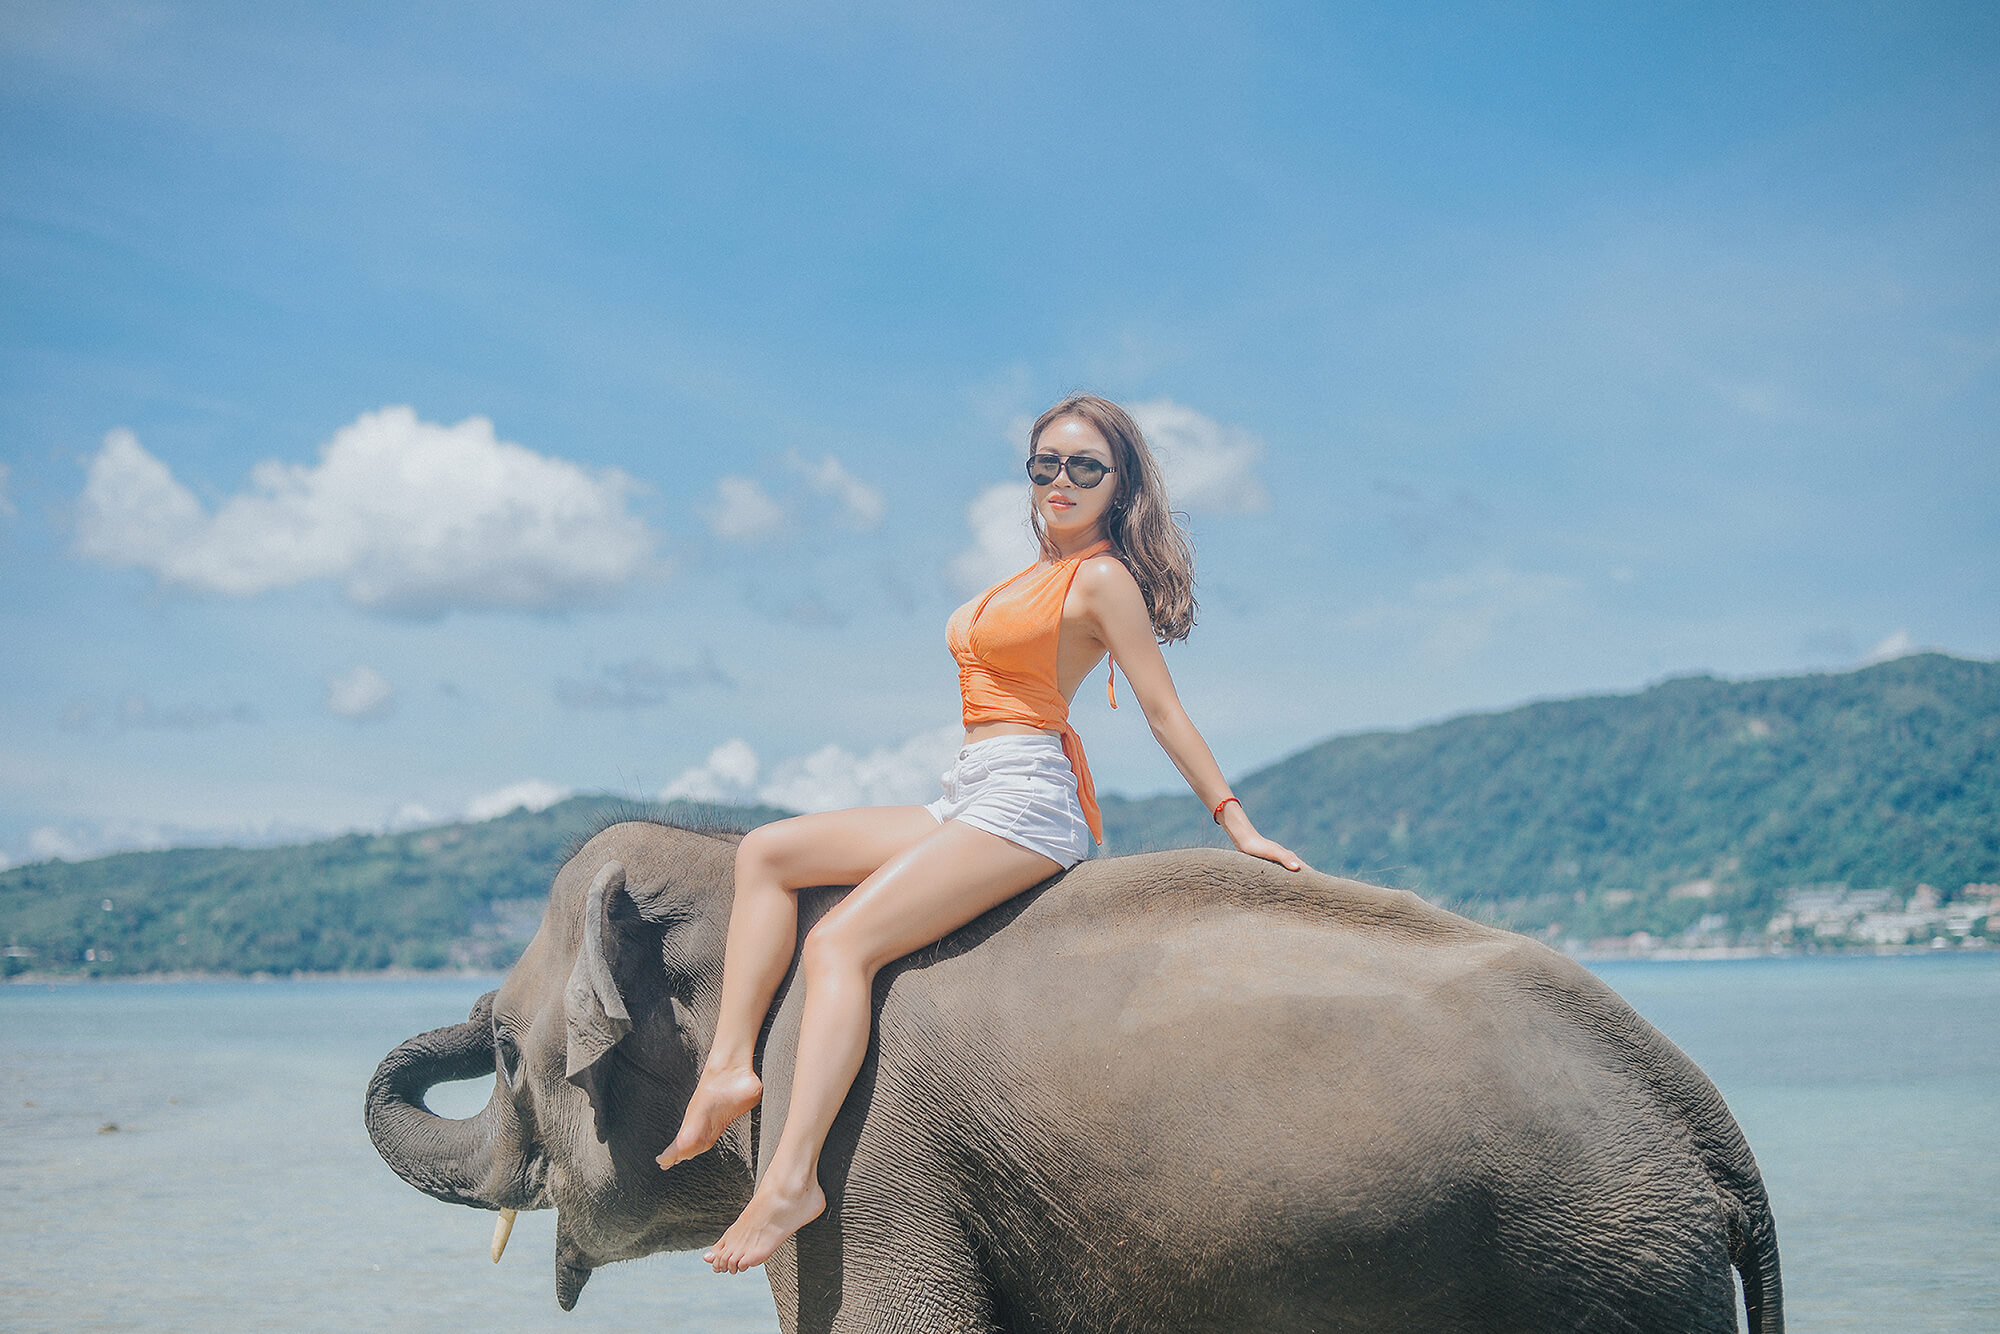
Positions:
(1241, 998)
(1345, 1068)
(1197, 938)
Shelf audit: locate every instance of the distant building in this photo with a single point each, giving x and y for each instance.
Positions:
(1837, 915)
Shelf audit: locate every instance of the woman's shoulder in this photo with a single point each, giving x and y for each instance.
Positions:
(1105, 575)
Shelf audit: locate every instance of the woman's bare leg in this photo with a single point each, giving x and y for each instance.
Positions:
(919, 896)
(827, 848)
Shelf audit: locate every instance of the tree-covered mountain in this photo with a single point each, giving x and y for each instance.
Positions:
(1731, 791)
(457, 895)
(1695, 800)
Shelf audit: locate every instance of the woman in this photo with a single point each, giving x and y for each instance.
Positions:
(1115, 576)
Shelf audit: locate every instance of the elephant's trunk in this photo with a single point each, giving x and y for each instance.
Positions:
(572, 1270)
(450, 1160)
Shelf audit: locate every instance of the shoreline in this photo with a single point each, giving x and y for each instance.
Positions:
(1665, 954)
(373, 975)
(1725, 953)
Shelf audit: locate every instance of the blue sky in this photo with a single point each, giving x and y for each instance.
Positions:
(406, 414)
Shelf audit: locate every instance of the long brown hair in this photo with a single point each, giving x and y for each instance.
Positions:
(1148, 536)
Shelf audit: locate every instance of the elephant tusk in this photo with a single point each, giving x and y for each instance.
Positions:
(503, 1227)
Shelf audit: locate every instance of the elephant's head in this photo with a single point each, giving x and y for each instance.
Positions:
(594, 1042)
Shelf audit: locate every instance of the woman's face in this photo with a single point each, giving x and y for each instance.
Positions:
(1070, 513)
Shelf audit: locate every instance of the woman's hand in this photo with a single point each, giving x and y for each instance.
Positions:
(1259, 846)
(1246, 838)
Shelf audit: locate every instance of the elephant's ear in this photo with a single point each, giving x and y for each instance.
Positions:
(594, 1012)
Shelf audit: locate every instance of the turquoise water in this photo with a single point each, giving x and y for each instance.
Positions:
(1869, 1089)
(239, 1191)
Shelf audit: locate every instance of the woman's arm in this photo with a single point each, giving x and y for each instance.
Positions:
(1116, 609)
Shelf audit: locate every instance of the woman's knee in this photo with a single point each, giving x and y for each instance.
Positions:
(834, 947)
(754, 852)
(767, 852)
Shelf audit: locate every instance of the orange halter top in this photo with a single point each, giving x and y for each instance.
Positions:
(1005, 644)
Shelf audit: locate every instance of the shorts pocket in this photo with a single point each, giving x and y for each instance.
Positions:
(1039, 765)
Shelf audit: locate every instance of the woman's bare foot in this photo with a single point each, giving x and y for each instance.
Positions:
(721, 1097)
(774, 1213)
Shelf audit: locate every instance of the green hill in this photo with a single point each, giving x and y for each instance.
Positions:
(458, 895)
(1589, 813)
(1698, 800)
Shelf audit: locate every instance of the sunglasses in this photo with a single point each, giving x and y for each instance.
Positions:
(1083, 470)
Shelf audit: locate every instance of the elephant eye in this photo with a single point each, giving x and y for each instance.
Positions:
(508, 1057)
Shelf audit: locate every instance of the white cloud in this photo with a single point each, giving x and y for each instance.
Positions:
(730, 774)
(360, 693)
(1895, 645)
(860, 503)
(744, 511)
(405, 515)
(49, 843)
(132, 511)
(830, 778)
(1206, 465)
(1002, 542)
(530, 794)
(84, 840)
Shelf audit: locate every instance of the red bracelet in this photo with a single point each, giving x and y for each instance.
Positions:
(1220, 804)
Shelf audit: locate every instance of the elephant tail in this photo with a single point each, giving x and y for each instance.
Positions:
(1753, 1249)
(1717, 1141)
(1748, 1228)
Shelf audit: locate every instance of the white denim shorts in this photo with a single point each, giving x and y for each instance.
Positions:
(1022, 788)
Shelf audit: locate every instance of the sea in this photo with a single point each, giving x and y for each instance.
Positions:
(190, 1156)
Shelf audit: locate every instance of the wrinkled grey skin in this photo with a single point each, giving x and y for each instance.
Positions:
(1184, 1091)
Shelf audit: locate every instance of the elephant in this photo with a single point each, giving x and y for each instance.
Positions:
(1181, 1090)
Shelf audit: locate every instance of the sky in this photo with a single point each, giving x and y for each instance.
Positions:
(410, 413)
